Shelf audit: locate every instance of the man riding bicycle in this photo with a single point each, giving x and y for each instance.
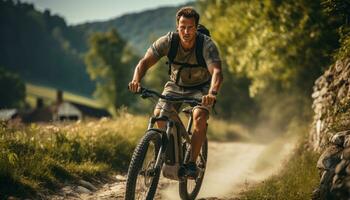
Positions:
(194, 69)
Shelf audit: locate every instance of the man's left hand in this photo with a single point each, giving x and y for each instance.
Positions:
(208, 100)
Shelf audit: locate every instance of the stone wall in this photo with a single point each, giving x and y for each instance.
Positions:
(330, 133)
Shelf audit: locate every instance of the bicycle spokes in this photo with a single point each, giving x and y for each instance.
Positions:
(146, 173)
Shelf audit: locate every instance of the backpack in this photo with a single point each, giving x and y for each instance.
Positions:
(186, 67)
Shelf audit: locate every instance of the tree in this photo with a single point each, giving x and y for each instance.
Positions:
(273, 41)
(339, 11)
(280, 46)
(12, 90)
(110, 62)
(34, 44)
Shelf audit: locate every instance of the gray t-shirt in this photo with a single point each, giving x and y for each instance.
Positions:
(161, 47)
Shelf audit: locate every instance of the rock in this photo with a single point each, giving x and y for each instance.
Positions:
(346, 154)
(330, 93)
(347, 141)
(342, 92)
(339, 66)
(325, 184)
(326, 177)
(319, 81)
(323, 92)
(338, 138)
(67, 189)
(82, 189)
(346, 75)
(329, 158)
(338, 83)
(340, 168)
(347, 183)
(87, 185)
(316, 194)
(315, 94)
(120, 178)
(347, 169)
(337, 182)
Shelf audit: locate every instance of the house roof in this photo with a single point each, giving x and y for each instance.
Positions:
(7, 114)
(68, 109)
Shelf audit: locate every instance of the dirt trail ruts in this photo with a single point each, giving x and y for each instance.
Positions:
(231, 167)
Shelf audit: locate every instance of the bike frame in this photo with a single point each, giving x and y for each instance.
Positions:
(180, 132)
(172, 151)
(175, 130)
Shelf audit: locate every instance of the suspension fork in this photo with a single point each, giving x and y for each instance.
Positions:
(164, 137)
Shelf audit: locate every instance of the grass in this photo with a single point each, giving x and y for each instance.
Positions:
(42, 157)
(296, 181)
(224, 131)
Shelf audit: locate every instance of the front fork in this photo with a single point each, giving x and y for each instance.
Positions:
(164, 138)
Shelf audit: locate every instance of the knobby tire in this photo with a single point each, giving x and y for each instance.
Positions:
(136, 165)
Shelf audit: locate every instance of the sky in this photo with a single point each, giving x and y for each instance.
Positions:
(80, 11)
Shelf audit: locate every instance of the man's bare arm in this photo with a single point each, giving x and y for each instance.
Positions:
(216, 80)
(144, 64)
(217, 77)
(141, 68)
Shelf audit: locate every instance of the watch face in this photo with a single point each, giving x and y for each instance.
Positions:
(214, 92)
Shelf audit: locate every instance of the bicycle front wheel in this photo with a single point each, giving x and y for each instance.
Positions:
(189, 188)
(143, 176)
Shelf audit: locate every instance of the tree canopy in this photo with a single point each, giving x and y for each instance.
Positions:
(110, 62)
(280, 46)
(38, 46)
(12, 90)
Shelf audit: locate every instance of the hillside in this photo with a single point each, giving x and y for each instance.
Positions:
(139, 29)
(44, 50)
(33, 44)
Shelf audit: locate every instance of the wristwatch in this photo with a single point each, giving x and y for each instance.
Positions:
(214, 92)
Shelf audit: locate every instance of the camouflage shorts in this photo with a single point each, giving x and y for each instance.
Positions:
(171, 89)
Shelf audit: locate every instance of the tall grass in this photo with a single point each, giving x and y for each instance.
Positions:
(296, 180)
(42, 156)
(38, 157)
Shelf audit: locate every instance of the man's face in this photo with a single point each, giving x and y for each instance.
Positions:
(187, 29)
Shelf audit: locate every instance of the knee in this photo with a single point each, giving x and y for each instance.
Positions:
(156, 112)
(200, 116)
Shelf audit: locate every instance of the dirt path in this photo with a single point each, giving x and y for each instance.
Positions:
(231, 167)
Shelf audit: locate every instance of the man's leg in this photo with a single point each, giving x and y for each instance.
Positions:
(200, 117)
(160, 124)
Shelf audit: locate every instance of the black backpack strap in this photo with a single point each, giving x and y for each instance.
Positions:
(174, 45)
(199, 49)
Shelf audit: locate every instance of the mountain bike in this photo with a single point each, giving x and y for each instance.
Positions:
(165, 150)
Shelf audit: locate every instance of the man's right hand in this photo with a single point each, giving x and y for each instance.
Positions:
(134, 86)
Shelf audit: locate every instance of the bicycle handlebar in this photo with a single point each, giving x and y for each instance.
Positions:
(146, 93)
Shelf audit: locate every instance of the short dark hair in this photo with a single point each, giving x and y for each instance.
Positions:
(187, 12)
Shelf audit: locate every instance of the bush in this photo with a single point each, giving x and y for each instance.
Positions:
(45, 156)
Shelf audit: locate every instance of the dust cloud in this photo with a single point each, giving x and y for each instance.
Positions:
(235, 165)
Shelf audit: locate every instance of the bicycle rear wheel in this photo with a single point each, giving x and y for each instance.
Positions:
(189, 188)
(143, 177)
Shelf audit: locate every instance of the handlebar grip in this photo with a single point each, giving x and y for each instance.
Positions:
(138, 92)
